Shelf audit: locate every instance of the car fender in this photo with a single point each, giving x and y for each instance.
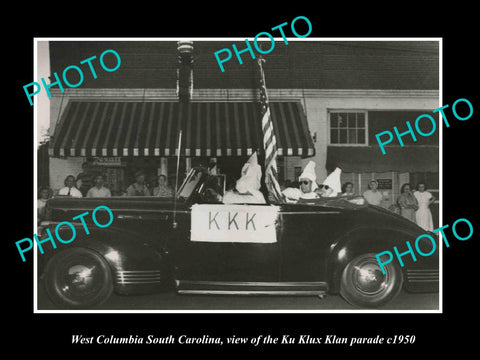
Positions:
(363, 240)
(126, 253)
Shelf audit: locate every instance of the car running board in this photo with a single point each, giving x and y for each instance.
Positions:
(252, 288)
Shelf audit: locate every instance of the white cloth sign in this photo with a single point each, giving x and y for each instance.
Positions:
(234, 223)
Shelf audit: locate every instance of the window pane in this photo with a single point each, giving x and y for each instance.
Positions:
(352, 120)
(334, 119)
(334, 136)
(352, 136)
(361, 119)
(348, 127)
(342, 120)
(361, 136)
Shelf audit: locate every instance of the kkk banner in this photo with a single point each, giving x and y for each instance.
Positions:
(234, 223)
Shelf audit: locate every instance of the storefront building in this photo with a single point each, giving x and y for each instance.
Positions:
(327, 99)
(119, 137)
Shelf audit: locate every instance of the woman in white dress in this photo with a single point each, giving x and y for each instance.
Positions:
(423, 216)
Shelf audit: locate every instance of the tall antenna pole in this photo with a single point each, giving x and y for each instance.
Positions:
(176, 181)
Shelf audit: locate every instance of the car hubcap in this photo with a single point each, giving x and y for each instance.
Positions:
(368, 277)
(80, 281)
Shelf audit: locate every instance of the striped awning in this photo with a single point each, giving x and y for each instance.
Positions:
(149, 128)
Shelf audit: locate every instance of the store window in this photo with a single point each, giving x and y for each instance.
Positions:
(348, 128)
(113, 171)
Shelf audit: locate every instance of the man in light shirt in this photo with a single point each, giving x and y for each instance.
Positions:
(308, 185)
(99, 190)
(70, 189)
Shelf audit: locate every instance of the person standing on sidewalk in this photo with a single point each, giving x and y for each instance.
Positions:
(423, 216)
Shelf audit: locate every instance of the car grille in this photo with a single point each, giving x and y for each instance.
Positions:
(138, 277)
(424, 275)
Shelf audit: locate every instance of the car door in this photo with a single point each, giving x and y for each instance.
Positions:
(307, 233)
(254, 256)
(227, 243)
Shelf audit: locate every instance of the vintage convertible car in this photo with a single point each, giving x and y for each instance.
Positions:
(197, 245)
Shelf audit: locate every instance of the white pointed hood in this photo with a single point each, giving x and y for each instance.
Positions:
(309, 173)
(333, 180)
(251, 175)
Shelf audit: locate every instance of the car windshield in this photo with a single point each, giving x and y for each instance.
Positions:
(189, 183)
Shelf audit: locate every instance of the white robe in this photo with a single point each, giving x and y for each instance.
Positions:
(253, 197)
(296, 194)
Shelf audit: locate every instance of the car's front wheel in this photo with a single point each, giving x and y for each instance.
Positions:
(78, 278)
(363, 283)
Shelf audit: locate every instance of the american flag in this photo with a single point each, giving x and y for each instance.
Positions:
(269, 141)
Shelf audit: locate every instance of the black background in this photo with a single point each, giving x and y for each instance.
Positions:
(50, 334)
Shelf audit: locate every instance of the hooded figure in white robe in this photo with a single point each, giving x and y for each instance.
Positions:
(308, 185)
(247, 188)
(332, 185)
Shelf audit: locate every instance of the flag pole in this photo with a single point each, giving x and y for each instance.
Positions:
(269, 140)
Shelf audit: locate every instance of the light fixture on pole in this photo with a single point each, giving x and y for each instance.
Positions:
(185, 70)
